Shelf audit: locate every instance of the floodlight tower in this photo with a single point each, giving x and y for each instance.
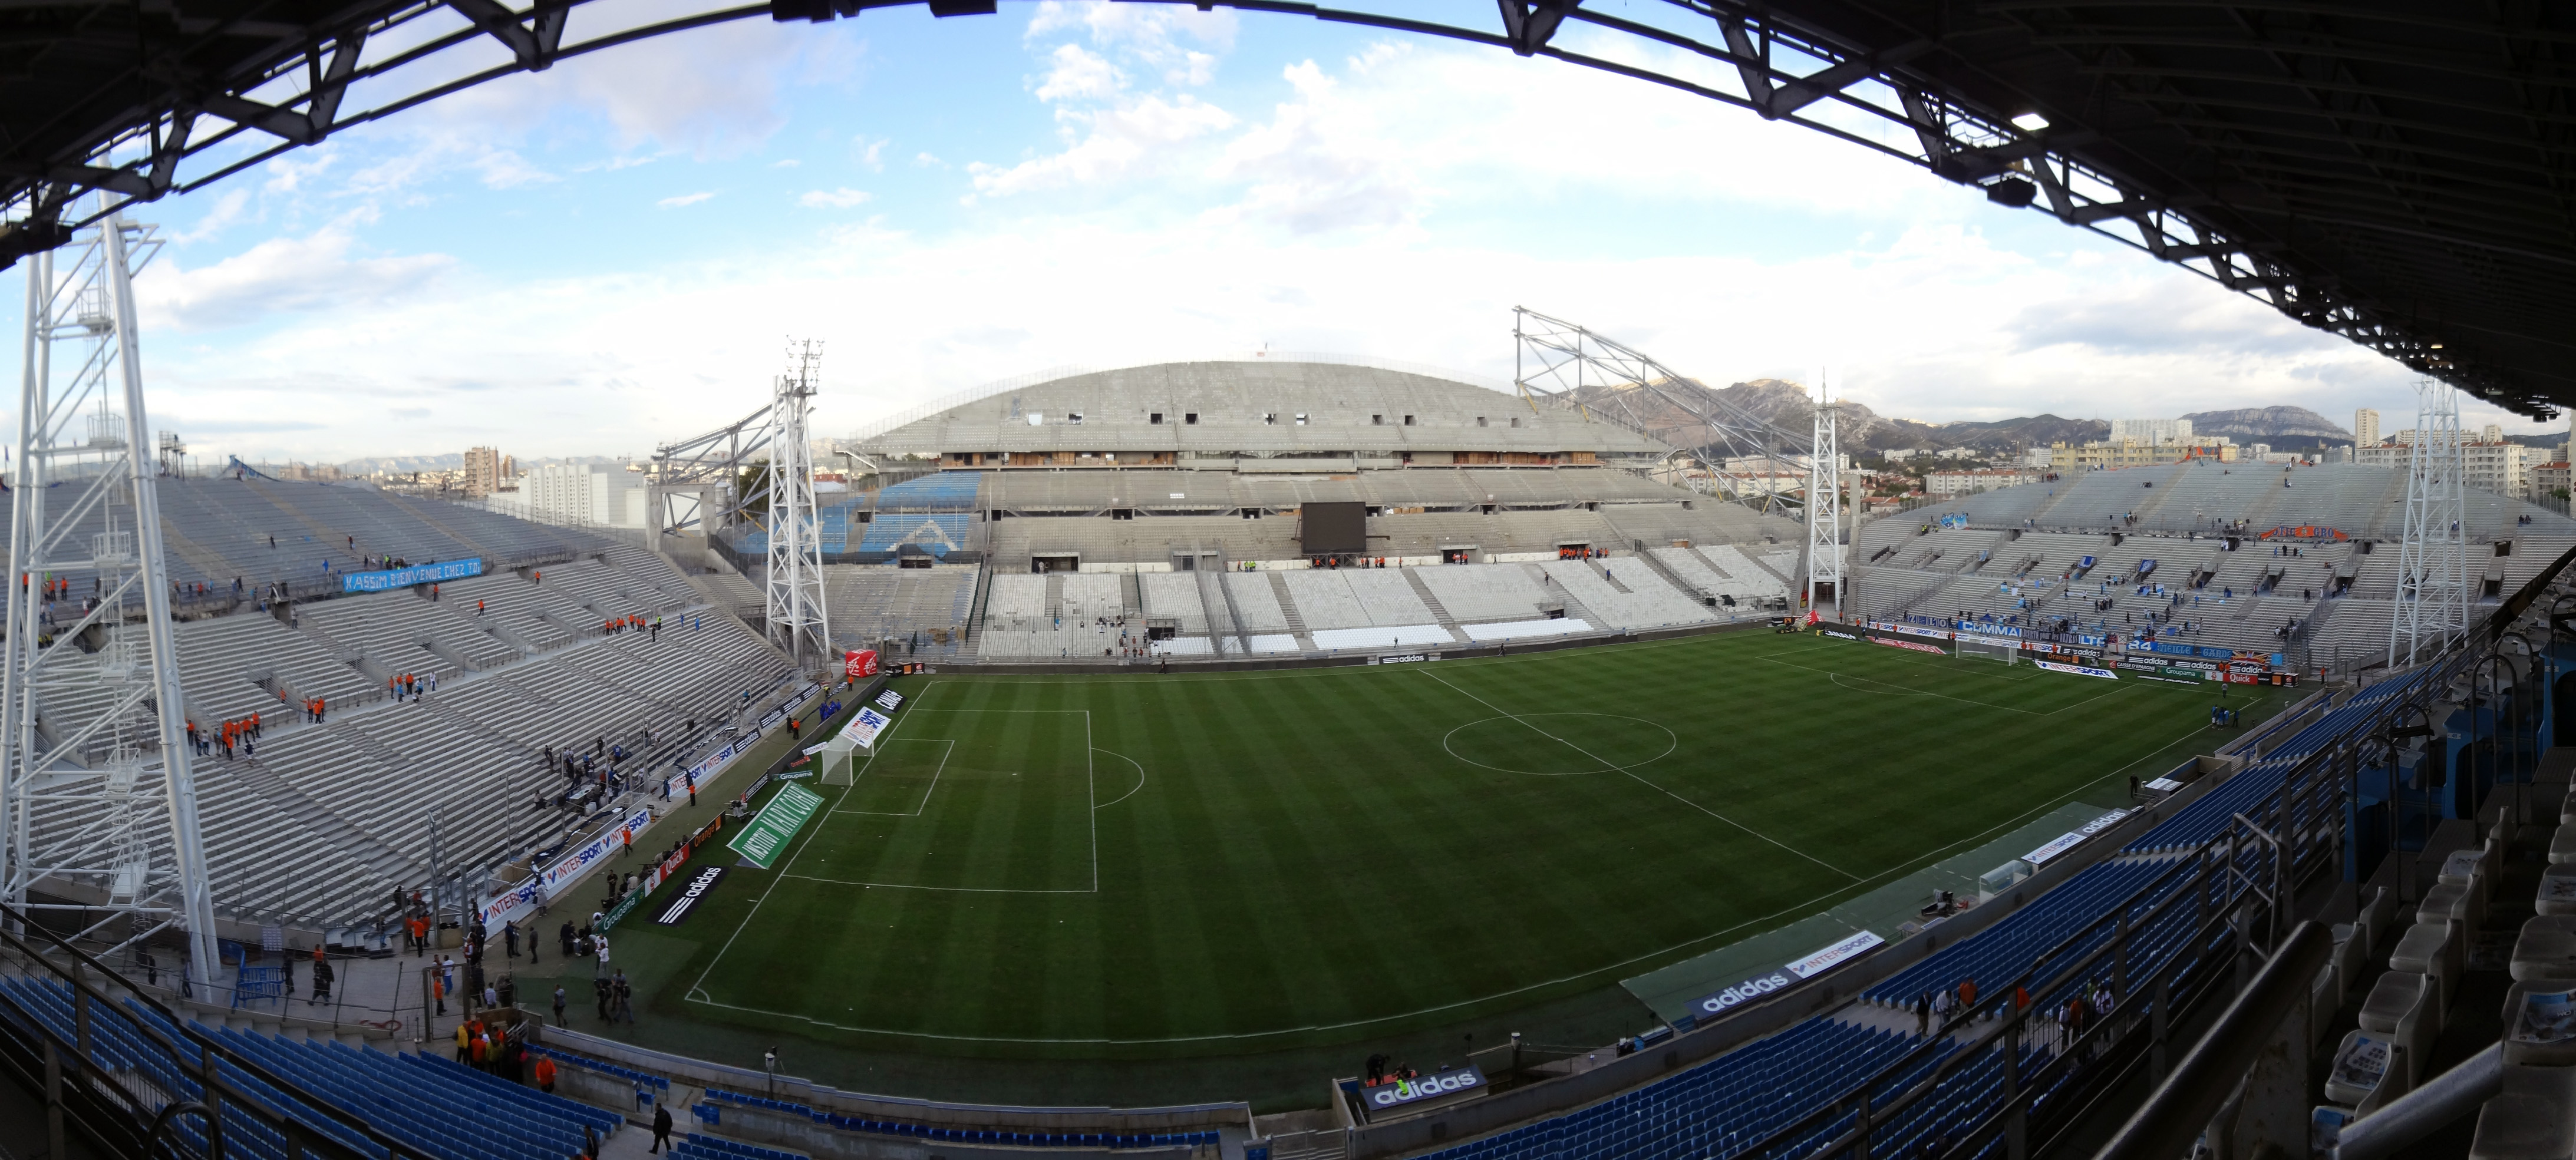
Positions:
(97, 821)
(795, 580)
(2432, 609)
(1825, 504)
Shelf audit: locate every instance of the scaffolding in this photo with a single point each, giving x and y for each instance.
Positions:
(98, 818)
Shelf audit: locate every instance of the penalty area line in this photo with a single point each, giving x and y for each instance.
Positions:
(1632, 775)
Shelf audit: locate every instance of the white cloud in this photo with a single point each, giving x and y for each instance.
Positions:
(686, 199)
(842, 198)
(311, 273)
(872, 153)
(1149, 31)
(1921, 325)
(1129, 140)
(227, 210)
(1079, 75)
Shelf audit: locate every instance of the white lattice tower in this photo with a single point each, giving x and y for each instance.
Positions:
(795, 573)
(1825, 506)
(2432, 609)
(101, 820)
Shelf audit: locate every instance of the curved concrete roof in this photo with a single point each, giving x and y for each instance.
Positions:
(1257, 407)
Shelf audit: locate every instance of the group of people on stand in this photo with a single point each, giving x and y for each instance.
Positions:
(242, 732)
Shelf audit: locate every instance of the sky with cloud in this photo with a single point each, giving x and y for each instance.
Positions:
(616, 252)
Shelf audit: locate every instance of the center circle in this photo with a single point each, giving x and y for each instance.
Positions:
(1560, 744)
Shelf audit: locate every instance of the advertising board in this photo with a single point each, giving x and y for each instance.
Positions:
(390, 579)
(2078, 670)
(765, 837)
(1933, 649)
(865, 727)
(685, 902)
(1859, 943)
(860, 664)
(889, 700)
(572, 864)
(1441, 1085)
(1744, 992)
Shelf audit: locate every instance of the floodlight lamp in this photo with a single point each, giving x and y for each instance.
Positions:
(2029, 122)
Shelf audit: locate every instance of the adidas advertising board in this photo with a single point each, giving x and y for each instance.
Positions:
(1836, 955)
(1744, 992)
(1443, 1085)
(685, 903)
(890, 700)
(2102, 823)
(1403, 658)
(773, 718)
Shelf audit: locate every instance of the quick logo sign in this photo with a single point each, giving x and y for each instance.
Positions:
(686, 903)
(891, 700)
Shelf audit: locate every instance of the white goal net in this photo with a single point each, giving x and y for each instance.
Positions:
(1993, 652)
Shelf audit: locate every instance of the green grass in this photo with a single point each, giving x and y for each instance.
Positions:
(1259, 865)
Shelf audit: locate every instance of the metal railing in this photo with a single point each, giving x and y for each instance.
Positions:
(2301, 833)
(134, 1078)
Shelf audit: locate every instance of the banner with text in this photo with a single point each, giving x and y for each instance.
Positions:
(571, 865)
(766, 836)
(387, 581)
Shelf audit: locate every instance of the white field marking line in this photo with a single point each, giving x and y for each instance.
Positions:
(1642, 781)
(1963, 700)
(697, 988)
(1900, 869)
(697, 996)
(935, 889)
(1090, 794)
(1140, 778)
(925, 801)
(925, 794)
(1309, 1029)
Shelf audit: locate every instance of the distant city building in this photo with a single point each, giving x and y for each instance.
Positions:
(2037, 457)
(2365, 428)
(2151, 431)
(483, 472)
(2137, 453)
(2549, 481)
(580, 493)
(1950, 483)
(2491, 466)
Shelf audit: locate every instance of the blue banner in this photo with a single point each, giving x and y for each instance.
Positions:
(387, 581)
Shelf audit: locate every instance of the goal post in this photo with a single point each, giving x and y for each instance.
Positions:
(1987, 651)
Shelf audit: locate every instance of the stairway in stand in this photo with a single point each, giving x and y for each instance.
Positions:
(1288, 609)
(1432, 602)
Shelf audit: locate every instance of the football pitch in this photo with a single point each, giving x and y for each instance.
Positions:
(1148, 866)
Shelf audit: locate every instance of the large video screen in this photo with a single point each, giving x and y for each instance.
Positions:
(1333, 528)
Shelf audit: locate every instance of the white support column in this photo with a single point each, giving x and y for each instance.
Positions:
(84, 460)
(2432, 607)
(1825, 508)
(797, 621)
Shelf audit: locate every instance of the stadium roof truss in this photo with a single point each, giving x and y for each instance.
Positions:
(2393, 171)
(1563, 364)
(714, 459)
